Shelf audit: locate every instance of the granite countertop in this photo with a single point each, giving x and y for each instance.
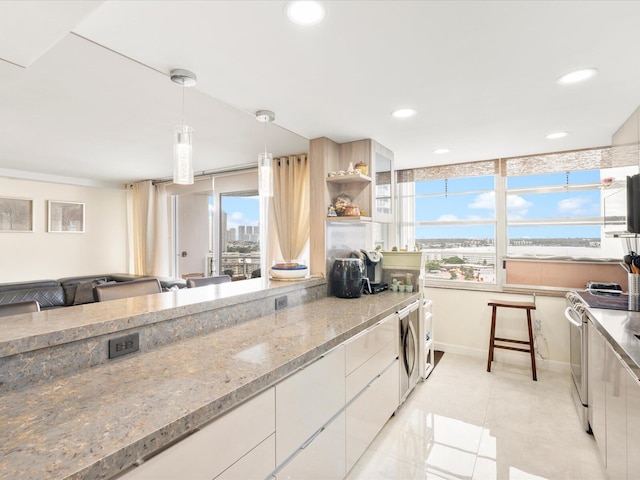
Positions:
(61, 325)
(97, 422)
(619, 327)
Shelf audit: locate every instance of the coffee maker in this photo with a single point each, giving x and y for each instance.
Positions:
(373, 271)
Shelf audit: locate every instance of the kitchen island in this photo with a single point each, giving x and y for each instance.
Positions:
(98, 421)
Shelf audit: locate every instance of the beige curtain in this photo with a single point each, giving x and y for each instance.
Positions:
(290, 205)
(149, 229)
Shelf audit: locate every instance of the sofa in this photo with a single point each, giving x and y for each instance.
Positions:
(70, 291)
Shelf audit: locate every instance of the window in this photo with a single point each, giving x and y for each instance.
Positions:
(240, 243)
(468, 217)
(555, 214)
(455, 224)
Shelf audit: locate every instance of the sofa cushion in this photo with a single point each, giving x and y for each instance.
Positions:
(32, 284)
(47, 297)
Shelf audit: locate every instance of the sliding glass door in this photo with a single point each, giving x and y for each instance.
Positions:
(240, 235)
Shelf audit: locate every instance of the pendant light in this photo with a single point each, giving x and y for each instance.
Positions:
(265, 159)
(183, 135)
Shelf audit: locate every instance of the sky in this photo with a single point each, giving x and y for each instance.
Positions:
(241, 210)
(480, 205)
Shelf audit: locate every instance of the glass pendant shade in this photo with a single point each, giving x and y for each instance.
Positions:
(265, 174)
(182, 155)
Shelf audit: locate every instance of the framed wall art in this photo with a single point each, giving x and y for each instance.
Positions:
(65, 217)
(16, 215)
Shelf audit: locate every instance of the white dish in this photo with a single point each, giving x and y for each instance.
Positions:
(289, 273)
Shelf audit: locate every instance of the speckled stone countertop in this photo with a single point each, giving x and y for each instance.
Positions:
(31, 331)
(97, 422)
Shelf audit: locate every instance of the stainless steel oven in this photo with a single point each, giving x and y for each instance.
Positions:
(409, 348)
(576, 314)
(578, 354)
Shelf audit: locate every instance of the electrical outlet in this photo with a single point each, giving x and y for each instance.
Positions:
(124, 345)
(537, 324)
(281, 302)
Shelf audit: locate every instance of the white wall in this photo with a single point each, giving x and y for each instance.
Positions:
(39, 255)
(462, 322)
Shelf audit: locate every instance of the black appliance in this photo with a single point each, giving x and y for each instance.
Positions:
(347, 277)
(633, 204)
(373, 272)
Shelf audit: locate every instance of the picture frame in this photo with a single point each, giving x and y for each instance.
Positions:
(65, 217)
(16, 214)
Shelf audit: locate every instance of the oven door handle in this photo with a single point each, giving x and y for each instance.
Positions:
(568, 316)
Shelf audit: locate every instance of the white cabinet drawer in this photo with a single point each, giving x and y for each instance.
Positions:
(322, 459)
(365, 345)
(370, 369)
(258, 463)
(210, 451)
(307, 400)
(369, 412)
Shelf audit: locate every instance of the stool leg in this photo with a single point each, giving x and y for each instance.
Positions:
(531, 348)
(492, 339)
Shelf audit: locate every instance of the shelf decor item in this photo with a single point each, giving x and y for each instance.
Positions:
(65, 217)
(364, 169)
(16, 215)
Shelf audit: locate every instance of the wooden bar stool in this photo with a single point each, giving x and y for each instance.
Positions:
(528, 306)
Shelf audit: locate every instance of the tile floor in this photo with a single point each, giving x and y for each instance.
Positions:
(466, 423)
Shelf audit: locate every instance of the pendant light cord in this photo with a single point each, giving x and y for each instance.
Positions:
(183, 106)
(265, 139)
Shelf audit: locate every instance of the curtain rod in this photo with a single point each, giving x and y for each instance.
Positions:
(225, 172)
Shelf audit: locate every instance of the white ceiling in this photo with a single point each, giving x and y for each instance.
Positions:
(96, 103)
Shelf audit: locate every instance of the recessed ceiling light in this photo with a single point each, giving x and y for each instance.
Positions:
(577, 76)
(305, 12)
(404, 113)
(553, 136)
(441, 150)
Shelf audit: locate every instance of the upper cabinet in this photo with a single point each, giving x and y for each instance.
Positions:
(384, 184)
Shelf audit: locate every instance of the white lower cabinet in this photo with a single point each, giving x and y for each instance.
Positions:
(255, 464)
(323, 458)
(596, 374)
(307, 400)
(212, 450)
(370, 411)
(616, 416)
(633, 424)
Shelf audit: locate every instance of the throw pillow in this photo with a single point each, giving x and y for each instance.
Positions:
(84, 292)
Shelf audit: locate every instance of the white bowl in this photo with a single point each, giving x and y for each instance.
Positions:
(299, 272)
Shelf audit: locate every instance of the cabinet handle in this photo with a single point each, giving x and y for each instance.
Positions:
(312, 438)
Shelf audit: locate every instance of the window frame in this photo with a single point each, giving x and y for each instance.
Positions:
(599, 158)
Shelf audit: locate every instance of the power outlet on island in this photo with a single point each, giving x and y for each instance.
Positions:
(281, 302)
(124, 345)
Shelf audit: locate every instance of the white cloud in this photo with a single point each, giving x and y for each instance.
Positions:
(575, 206)
(485, 201)
(447, 218)
(517, 207)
